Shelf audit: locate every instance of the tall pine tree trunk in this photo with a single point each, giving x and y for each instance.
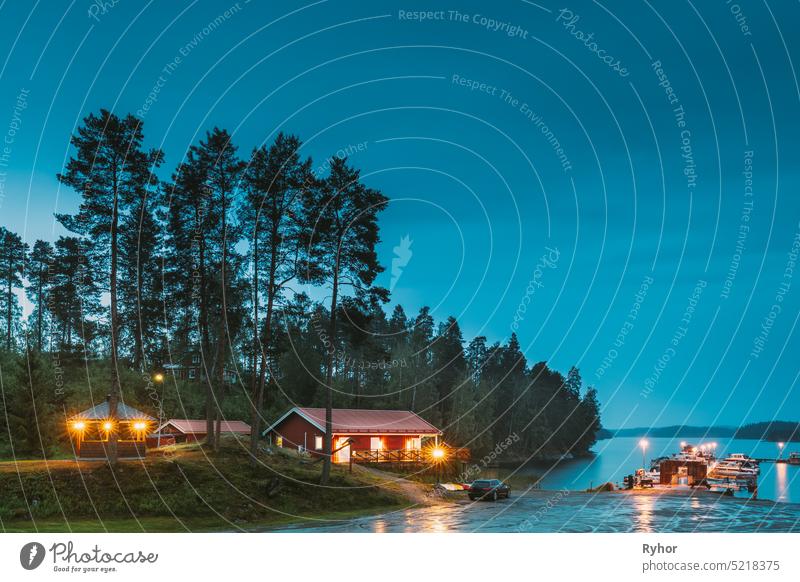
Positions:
(205, 345)
(9, 304)
(39, 306)
(222, 335)
(255, 433)
(328, 441)
(113, 399)
(257, 348)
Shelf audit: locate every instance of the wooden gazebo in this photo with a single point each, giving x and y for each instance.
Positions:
(91, 429)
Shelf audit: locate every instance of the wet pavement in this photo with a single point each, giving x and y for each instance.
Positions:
(569, 511)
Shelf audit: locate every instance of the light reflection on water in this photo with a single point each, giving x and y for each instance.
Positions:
(644, 513)
(781, 482)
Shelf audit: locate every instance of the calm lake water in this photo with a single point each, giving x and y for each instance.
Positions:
(563, 506)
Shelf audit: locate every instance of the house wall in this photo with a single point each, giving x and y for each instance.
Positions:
(125, 450)
(293, 429)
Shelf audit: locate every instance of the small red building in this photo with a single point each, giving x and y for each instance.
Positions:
(183, 430)
(366, 435)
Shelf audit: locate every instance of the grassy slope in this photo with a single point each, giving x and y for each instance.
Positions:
(189, 489)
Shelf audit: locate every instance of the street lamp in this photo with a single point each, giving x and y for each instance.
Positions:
(643, 443)
(159, 379)
(780, 450)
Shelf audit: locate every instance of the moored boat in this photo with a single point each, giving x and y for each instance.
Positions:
(736, 466)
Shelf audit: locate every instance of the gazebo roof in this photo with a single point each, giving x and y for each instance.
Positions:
(101, 411)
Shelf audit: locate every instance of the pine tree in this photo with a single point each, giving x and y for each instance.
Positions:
(221, 171)
(510, 388)
(110, 170)
(342, 244)
(272, 217)
(13, 253)
(38, 273)
(140, 290)
(422, 397)
(450, 368)
(74, 300)
(32, 418)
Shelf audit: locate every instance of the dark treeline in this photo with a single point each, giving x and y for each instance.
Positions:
(774, 431)
(197, 278)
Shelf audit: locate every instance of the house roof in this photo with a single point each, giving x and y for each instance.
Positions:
(101, 411)
(189, 426)
(349, 421)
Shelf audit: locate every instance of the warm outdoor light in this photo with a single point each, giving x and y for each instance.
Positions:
(438, 453)
(108, 425)
(158, 377)
(139, 425)
(80, 425)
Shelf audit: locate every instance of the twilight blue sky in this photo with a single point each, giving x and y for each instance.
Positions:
(457, 119)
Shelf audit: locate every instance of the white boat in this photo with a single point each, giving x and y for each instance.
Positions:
(738, 457)
(735, 466)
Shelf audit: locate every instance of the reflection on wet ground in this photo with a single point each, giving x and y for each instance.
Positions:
(565, 511)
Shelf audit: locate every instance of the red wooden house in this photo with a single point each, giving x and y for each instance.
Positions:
(364, 435)
(183, 430)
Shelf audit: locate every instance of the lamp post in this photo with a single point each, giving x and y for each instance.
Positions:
(780, 450)
(643, 443)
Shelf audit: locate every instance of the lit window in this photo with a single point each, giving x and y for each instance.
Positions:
(375, 443)
(279, 441)
(413, 443)
(318, 443)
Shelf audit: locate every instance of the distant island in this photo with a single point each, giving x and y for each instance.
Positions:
(773, 431)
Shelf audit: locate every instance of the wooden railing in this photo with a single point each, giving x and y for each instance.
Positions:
(404, 455)
(388, 456)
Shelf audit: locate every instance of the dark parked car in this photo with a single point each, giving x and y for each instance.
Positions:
(489, 489)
